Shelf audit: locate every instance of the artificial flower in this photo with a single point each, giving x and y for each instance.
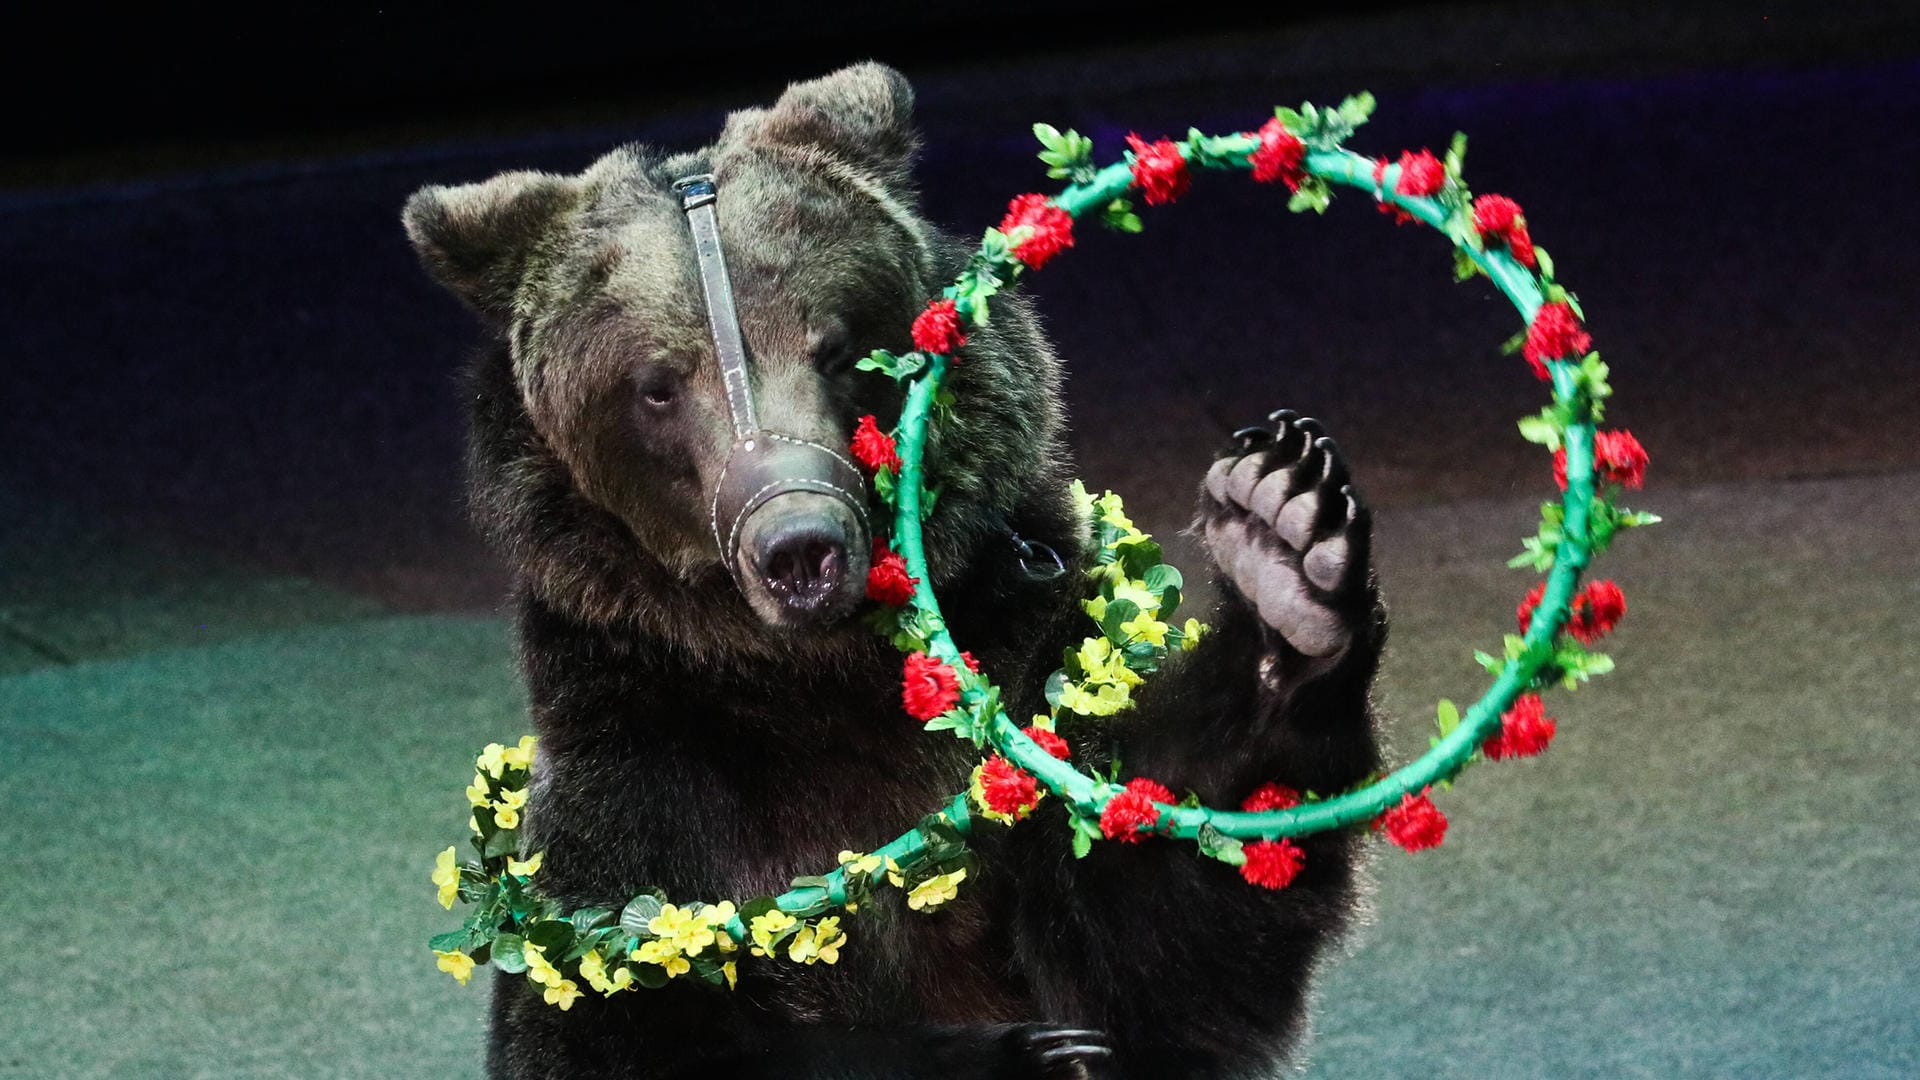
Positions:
(1272, 864)
(928, 687)
(1280, 156)
(1420, 174)
(936, 890)
(1159, 169)
(457, 964)
(1554, 334)
(1415, 824)
(887, 579)
(446, 874)
(1271, 796)
(1037, 229)
(1525, 730)
(872, 447)
(938, 328)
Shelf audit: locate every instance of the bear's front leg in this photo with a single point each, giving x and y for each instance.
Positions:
(1279, 690)
(1192, 970)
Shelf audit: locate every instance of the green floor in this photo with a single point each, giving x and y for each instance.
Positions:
(221, 821)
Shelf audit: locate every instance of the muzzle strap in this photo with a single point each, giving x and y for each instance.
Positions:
(762, 464)
(697, 196)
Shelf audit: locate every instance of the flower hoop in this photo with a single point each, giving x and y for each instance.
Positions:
(650, 941)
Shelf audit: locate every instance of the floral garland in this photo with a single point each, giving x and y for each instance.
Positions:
(650, 941)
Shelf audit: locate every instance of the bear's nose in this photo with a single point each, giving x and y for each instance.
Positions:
(802, 566)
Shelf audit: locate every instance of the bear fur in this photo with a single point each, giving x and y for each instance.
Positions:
(685, 744)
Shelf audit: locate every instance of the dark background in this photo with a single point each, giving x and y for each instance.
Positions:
(247, 638)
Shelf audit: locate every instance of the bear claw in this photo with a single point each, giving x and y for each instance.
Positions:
(1287, 529)
(1063, 1052)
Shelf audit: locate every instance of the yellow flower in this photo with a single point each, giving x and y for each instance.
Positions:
(765, 928)
(663, 953)
(593, 968)
(538, 968)
(474, 824)
(1082, 498)
(856, 863)
(457, 964)
(512, 799)
(1096, 607)
(519, 757)
(827, 939)
(1108, 699)
(492, 760)
(894, 874)
(936, 890)
(1113, 511)
(1191, 632)
(1136, 591)
(527, 868)
(477, 792)
(688, 931)
(718, 915)
(563, 992)
(801, 948)
(1144, 627)
(507, 818)
(446, 874)
(731, 971)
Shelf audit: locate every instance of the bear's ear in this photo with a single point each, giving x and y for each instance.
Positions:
(863, 114)
(476, 239)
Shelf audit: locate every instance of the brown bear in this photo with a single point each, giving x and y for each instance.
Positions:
(715, 721)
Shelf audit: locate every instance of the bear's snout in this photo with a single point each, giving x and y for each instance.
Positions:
(805, 556)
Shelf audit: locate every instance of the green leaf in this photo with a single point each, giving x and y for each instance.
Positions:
(590, 918)
(1633, 519)
(1082, 844)
(638, 912)
(1456, 160)
(553, 936)
(1464, 266)
(450, 941)
(811, 881)
(509, 954)
(650, 976)
(1313, 194)
(1357, 108)
(756, 907)
(1513, 344)
(1215, 844)
(503, 843)
(1119, 215)
(1056, 685)
(1545, 260)
(1449, 717)
(1161, 577)
(1118, 611)
(1493, 664)
(1139, 558)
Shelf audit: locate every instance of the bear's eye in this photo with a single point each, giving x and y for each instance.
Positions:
(832, 348)
(658, 393)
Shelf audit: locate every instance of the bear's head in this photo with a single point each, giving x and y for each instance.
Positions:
(603, 428)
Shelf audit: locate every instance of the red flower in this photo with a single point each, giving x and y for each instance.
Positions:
(1051, 229)
(1152, 789)
(1272, 864)
(887, 579)
(874, 448)
(972, 664)
(1279, 157)
(1498, 217)
(1622, 459)
(1554, 334)
(1525, 730)
(1420, 174)
(929, 687)
(1617, 455)
(1400, 216)
(1006, 788)
(1159, 170)
(1595, 611)
(1271, 796)
(1590, 617)
(1125, 814)
(1051, 743)
(937, 329)
(1533, 598)
(1416, 824)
